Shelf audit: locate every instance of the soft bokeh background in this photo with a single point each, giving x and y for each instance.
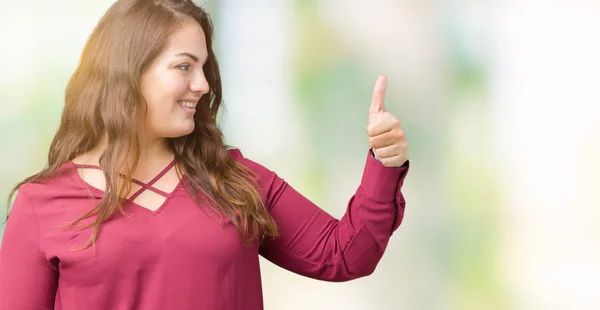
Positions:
(500, 101)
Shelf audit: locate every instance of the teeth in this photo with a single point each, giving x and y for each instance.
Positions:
(188, 104)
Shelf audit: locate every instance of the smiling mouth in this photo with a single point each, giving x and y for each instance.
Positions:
(188, 104)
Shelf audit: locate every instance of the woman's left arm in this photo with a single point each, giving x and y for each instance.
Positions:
(313, 243)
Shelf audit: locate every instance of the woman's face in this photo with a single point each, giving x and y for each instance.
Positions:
(174, 83)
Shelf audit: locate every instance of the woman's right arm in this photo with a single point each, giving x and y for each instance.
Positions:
(27, 279)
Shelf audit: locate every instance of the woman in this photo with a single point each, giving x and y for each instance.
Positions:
(142, 206)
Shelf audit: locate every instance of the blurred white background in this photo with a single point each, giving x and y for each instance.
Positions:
(500, 101)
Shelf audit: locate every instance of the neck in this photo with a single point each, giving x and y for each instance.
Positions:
(152, 149)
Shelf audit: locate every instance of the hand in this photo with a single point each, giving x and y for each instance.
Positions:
(386, 137)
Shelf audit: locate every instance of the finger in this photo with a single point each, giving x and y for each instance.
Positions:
(394, 161)
(387, 138)
(384, 123)
(378, 98)
(387, 151)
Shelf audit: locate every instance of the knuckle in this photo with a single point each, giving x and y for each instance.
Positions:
(371, 129)
(372, 142)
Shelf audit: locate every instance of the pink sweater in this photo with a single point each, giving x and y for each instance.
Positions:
(179, 257)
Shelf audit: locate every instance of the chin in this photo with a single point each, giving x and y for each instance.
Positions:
(180, 132)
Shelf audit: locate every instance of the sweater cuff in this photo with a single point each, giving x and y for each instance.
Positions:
(381, 183)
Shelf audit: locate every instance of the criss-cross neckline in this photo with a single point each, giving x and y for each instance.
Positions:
(143, 186)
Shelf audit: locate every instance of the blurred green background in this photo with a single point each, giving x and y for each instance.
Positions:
(499, 101)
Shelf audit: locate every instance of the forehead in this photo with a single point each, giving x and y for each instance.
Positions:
(188, 37)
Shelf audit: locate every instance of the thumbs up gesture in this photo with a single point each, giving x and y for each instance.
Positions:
(386, 137)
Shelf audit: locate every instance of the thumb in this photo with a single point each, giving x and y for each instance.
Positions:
(378, 98)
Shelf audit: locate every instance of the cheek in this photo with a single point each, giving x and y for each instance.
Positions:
(165, 90)
(173, 86)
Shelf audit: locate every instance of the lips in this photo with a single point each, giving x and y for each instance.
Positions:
(188, 103)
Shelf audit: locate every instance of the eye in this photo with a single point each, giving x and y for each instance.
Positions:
(184, 67)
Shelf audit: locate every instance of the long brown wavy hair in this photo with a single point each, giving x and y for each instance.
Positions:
(103, 98)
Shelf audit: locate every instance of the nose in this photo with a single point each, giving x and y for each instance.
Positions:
(199, 84)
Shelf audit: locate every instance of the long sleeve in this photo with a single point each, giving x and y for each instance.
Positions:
(27, 279)
(315, 244)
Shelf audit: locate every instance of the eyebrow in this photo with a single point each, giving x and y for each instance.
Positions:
(195, 58)
(192, 56)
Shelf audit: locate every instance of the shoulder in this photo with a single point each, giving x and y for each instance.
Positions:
(61, 184)
(52, 202)
(239, 157)
(261, 171)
